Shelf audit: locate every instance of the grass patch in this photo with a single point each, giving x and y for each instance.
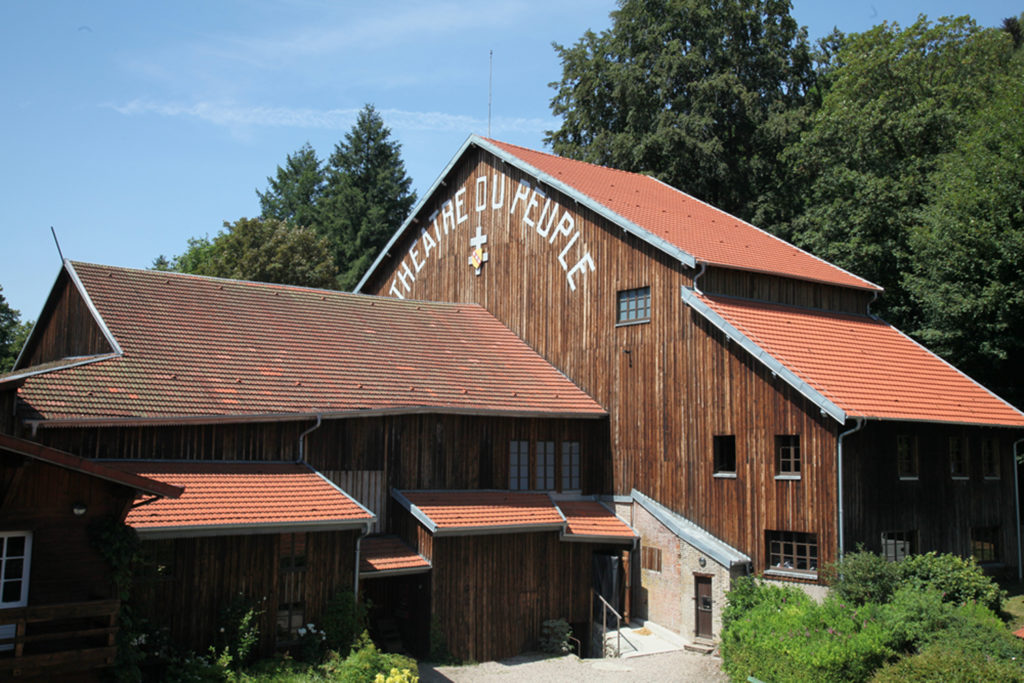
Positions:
(1013, 606)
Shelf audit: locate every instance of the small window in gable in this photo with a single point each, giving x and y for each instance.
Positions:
(570, 465)
(545, 479)
(990, 458)
(906, 456)
(634, 306)
(519, 465)
(787, 456)
(725, 454)
(958, 457)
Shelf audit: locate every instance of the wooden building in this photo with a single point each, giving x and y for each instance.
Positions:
(761, 418)
(291, 417)
(58, 601)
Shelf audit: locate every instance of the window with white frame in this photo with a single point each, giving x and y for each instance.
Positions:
(570, 465)
(634, 305)
(15, 557)
(898, 544)
(787, 455)
(990, 458)
(906, 457)
(545, 476)
(958, 457)
(519, 465)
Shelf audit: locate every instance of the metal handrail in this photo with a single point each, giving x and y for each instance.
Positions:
(604, 625)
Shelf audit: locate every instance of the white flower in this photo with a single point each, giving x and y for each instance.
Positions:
(302, 631)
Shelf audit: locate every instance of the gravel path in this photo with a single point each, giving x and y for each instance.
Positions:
(668, 666)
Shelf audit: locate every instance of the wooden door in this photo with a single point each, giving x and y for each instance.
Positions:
(702, 597)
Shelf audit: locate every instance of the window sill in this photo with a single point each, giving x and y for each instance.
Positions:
(629, 323)
(792, 574)
(787, 477)
(992, 478)
(910, 478)
(724, 475)
(959, 478)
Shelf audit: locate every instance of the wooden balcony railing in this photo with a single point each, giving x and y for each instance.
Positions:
(51, 639)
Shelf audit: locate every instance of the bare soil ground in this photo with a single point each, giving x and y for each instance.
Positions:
(536, 668)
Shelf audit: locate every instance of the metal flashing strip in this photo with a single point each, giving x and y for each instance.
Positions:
(206, 530)
(694, 301)
(383, 573)
(43, 369)
(720, 551)
(418, 514)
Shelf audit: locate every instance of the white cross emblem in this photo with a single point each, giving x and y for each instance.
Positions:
(479, 257)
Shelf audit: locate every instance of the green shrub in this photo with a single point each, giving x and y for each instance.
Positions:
(747, 592)
(974, 628)
(364, 663)
(914, 617)
(554, 636)
(343, 620)
(942, 664)
(239, 635)
(863, 577)
(788, 638)
(960, 580)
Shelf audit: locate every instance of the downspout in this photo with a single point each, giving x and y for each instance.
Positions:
(1016, 505)
(302, 438)
(359, 540)
(703, 267)
(839, 482)
(873, 298)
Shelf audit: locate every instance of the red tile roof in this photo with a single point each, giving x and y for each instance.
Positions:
(469, 512)
(379, 555)
(864, 366)
(36, 451)
(590, 520)
(205, 347)
(709, 234)
(241, 498)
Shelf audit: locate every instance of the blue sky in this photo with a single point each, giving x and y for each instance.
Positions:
(131, 126)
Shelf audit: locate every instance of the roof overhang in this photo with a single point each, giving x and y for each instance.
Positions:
(474, 530)
(827, 407)
(154, 533)
(685, 258)
(52, 456)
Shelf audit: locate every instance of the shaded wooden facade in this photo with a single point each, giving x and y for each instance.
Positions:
(671, 382)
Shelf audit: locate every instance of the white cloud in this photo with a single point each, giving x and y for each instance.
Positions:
(236, 116)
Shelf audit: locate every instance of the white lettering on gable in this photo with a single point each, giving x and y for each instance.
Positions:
(554, 223)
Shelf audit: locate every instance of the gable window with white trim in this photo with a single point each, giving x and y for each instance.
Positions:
(634, 306)
(907, 464)
(958, 458)
(15, 565)
(787, 456)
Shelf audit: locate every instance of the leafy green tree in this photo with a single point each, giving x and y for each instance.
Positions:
(293, 194)
(262, 250)
(13, 334)
(968, 273)
(367, 195)
(702, 94)
(898, 100)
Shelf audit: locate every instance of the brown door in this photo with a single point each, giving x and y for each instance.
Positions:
(702, 586)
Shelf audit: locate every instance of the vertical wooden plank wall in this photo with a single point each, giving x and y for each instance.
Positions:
(670, 385)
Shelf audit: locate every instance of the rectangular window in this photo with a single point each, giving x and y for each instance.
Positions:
(545, 476)
(15, 556)
(570, 465)
(792, 551)
(725, 454)
(787, 455)
(650, 558)
(990, 458)
(906, 456)
(958, 457)
(519, 465)
(898, 544)
(634, 305)
(291, 606)
(985, 544)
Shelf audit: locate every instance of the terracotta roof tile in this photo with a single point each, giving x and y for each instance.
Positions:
(199, 346)
(221, 498)
(709, 234)
(389, 555)
(588, 518)
(865, 366)
(483, 511)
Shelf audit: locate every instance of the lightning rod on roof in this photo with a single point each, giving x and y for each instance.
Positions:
(490, 89)
(57, 242)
